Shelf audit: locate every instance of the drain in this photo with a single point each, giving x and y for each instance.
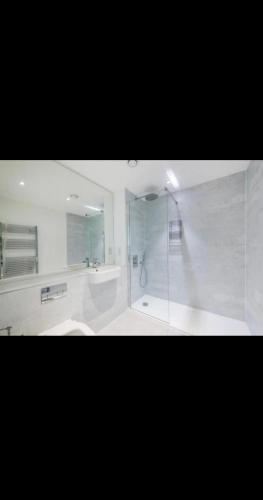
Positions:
(145, 304)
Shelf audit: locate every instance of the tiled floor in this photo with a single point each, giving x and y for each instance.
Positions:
(187, 319)
(137, 324)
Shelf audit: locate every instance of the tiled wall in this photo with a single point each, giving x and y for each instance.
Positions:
(254, 312)
(96, 238)
(76, 239)
(156, 245)
(96, 305)
(148, 234)
(208, 270)
(137, 246)
(85, 238)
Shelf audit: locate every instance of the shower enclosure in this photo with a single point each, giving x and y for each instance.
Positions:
(187, 256)
(155, 235)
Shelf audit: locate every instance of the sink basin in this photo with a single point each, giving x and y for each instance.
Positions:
(103, 274)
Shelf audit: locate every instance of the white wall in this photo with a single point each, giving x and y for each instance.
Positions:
(51, 231)
(109, 229)
(121, 239)
(120, 228)
(95, 305)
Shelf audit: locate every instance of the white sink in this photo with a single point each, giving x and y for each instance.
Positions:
(103, 274)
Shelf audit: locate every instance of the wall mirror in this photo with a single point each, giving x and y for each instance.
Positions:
(51, 219)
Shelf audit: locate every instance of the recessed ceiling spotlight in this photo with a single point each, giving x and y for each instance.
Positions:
(173, 179)
(132, 163)
(21, 183)
(73, 197)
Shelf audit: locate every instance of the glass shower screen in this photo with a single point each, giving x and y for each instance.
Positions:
(148, 256)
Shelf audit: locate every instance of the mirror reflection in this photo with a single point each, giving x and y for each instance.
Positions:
(51, 219)
(86, 239)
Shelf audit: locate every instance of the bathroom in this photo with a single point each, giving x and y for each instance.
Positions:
(131, 247)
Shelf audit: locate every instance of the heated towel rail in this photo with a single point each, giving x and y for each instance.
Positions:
(18, 250)
(175, 234)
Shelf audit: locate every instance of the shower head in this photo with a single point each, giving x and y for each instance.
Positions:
(156, 196)
(149, 197)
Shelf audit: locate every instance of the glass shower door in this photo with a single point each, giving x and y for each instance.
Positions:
(148, 257)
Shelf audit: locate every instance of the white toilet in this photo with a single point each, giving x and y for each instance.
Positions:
(69, 328)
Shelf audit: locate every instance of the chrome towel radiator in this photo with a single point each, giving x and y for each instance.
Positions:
(175, 234)
(18, 250)
(7, 330)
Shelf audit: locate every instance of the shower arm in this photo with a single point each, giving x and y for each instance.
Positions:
(172, 196)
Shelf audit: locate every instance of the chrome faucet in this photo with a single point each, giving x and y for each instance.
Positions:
(7, 329)
(86, 261)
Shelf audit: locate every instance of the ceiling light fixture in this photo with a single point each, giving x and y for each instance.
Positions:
(93, 208)
(73, 197)
(21, 183)
(173, 179)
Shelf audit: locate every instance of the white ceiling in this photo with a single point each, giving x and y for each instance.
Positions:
(150, 175)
